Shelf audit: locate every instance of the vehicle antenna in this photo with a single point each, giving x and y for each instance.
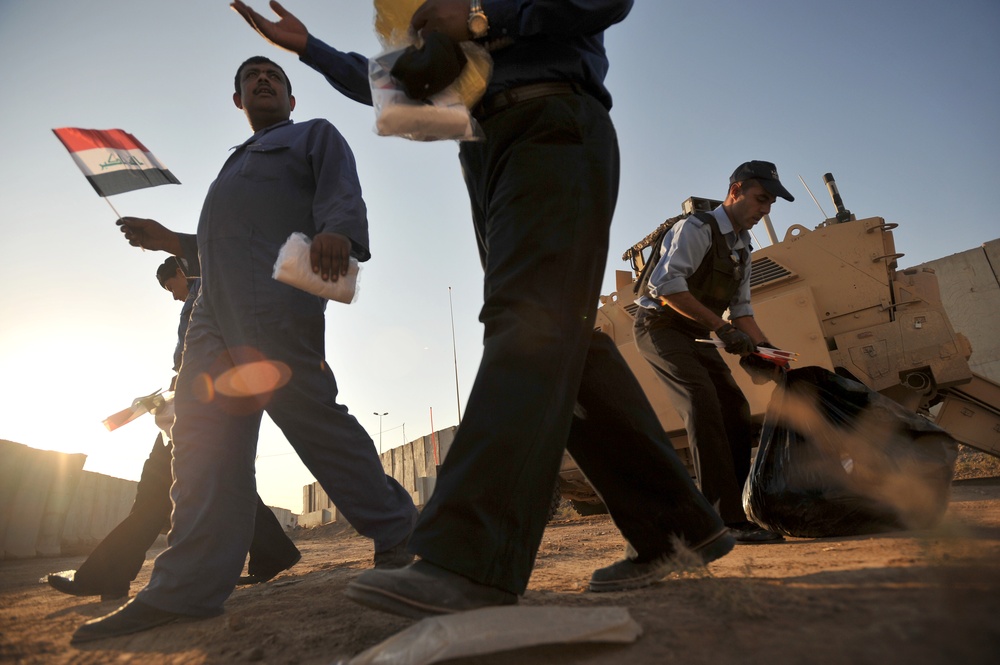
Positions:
(813, 197)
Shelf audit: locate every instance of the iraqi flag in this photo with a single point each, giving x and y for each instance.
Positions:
(114, 161)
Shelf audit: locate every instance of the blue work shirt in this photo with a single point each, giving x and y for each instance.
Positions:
(683, 249)
(530, 41)
(194, 286)
(287, 178)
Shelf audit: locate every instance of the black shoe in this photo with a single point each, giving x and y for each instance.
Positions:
(631, 574)
(266, 576)
(423, 589)
(748, 533)
(66, 582)
(132, 617)
(396, 556)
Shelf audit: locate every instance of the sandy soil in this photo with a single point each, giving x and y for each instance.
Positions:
(914, 597)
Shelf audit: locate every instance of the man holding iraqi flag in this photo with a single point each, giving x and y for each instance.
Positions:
(287, 177)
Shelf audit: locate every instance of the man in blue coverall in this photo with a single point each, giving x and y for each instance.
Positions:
(543, 187)
(288, 177)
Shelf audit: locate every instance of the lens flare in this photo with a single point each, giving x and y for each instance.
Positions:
(252, 379)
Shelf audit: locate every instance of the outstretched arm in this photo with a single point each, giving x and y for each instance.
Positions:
(288, 32)
(522, 19)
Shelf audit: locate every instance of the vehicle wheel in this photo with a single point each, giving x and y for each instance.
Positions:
(584, 508)
(555, 502)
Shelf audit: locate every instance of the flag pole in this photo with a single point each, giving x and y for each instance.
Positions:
(118, 214)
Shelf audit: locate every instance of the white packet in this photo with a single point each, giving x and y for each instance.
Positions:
(294, 268)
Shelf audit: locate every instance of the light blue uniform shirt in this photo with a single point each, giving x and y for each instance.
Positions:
(684, 248)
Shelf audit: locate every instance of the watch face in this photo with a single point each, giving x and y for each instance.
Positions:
(478, 25)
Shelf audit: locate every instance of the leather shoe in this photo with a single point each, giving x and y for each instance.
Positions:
(631, 573)
(396, 556)
(422, 590)
(749, 533)
(260, 577)
(66, 582)
(132, 617)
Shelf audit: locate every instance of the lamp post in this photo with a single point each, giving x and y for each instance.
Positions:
(454, 353)
(380, 415)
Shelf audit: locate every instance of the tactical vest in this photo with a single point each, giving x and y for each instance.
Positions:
(717, 279)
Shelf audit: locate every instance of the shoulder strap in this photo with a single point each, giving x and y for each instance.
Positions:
(719, 245)
(642, 283)
(705, 217)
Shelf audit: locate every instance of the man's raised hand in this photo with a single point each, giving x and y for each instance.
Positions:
(288, 32)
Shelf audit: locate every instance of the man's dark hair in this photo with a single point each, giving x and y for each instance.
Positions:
(259, 60)
(168, 269)
(748, 183)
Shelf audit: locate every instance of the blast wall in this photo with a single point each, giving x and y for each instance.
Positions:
(970, 291)
(413, 465)
(50, 506)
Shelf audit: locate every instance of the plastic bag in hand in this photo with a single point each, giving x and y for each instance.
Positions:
(294, 268)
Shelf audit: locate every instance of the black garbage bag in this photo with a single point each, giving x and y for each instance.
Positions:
(838, 459)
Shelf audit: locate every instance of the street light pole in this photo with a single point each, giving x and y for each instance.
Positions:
(380, 429)
(454, 353)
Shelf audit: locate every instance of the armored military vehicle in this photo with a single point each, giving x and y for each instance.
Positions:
(834, 295)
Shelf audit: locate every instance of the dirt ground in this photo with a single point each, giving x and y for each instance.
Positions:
(911, 597)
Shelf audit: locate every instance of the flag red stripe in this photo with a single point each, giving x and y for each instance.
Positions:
(76, 139)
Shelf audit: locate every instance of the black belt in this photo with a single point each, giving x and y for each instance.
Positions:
(522, 93)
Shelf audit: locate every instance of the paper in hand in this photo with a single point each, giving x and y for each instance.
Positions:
(763, 351)
(294, 268)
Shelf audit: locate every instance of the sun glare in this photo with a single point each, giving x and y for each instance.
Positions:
(44, 407)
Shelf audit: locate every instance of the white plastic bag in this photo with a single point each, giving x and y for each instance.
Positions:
(294, 268)
(496, 629)
(443, 116)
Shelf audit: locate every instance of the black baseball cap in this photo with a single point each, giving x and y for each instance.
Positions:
(766, 173)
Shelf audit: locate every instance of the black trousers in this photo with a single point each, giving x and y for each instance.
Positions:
(543, 187)
(715, 412)
(116, 560)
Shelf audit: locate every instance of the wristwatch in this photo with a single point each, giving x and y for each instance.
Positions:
(479, 25)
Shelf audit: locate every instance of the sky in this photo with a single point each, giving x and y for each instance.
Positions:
(900, 101)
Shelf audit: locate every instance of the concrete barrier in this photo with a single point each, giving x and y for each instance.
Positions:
(101, 503)
(50, 506)
(413, 465)
(970, 293)
(286, 518)
(316, 518)
(35, 490)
